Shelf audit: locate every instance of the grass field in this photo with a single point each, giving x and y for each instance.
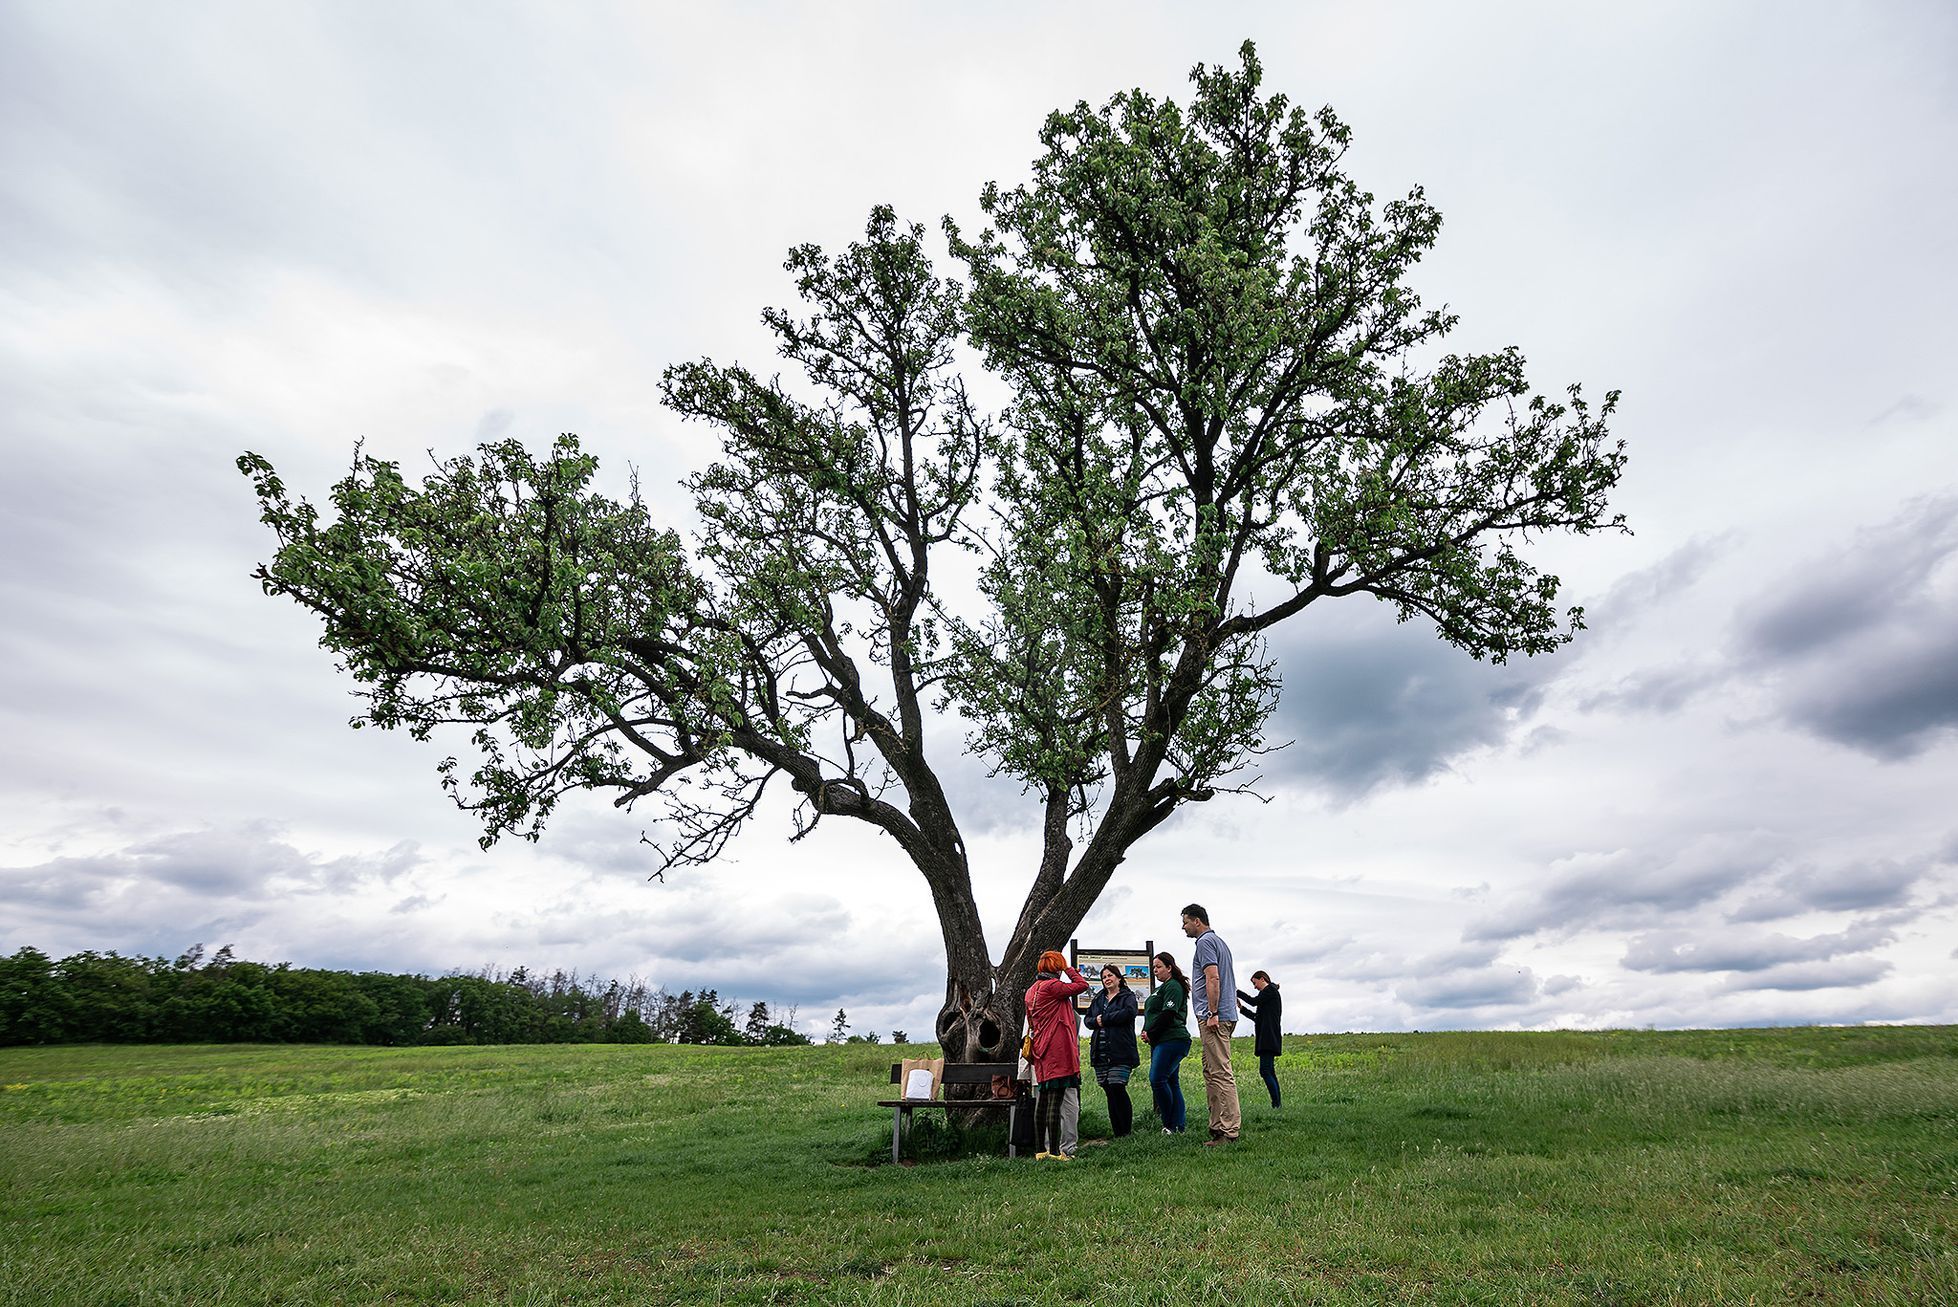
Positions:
(1814, 1165)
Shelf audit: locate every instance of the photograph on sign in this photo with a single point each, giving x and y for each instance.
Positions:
(1131, 964)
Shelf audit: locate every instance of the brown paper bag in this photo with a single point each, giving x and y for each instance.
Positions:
(935, 1065)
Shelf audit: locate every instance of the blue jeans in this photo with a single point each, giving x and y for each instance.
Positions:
(1166, 1081)
(1270, 1074)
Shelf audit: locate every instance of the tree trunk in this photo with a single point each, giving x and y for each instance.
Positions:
(980, 1019)
(985, 1003)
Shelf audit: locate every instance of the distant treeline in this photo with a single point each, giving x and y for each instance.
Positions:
(110, 999)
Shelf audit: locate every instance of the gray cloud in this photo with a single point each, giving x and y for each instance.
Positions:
(1859, 646)
(249, 861)
(1652, 888)
(985, 804)
(1892, 695)
(1438, 988)
(1862, 644)
(1365, 961)
(1462, 957)
(1542, 738)
(162, 892)
(1910, 408)
(1658, 689)
(159, 894)
(1624, 888)
(605, 840)
(1842, 973)
(1737, 951)
(1493, 987)
(1847, 887)
(58, 886)
(1369, 702)
(1841, 594)
(1637, 593)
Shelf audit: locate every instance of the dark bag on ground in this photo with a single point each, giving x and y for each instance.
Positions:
(1022, 1123)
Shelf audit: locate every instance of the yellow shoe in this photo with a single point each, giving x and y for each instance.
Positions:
(1062, 1157)
(1041, 1157)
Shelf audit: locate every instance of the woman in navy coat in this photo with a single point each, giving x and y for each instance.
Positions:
(1111, 1046)
(1268, 1008)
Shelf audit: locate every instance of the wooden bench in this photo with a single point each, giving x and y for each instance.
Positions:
(960, 1073)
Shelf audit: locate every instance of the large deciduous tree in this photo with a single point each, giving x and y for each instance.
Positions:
(1218, 375)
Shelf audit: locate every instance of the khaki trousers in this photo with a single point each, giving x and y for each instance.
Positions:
(1219, 1084)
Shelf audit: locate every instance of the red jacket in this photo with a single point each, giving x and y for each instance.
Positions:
(1050, 1016)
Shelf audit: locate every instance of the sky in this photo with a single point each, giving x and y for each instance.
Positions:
(290, 228)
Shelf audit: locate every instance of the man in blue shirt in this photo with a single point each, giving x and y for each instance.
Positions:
(1213, 981)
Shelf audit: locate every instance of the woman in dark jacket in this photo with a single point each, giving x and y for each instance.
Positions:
(1111, 1046)
(1268, 1008)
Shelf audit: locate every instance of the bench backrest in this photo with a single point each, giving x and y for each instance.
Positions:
(969, 1073)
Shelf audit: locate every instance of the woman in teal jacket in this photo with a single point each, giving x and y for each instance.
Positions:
(1165, 1028)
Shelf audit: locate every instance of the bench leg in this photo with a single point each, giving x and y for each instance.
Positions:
(1012, 1120)
(897, 1131)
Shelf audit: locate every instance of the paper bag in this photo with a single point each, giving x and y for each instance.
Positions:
(920, 1076)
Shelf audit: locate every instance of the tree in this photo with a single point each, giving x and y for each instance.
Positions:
(756, 1026)
(838, 1027)
(401, 1007)
(34, 1006)
(629, 1028)
(706, 1020)
(1221, 386)
(777, 1036)
(108, 996)
(320, 1007)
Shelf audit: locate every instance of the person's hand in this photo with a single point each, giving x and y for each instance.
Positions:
(1210, 1021)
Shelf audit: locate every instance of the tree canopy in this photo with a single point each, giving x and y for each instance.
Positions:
(1220, 383)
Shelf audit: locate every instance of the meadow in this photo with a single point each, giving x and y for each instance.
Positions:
(1790, 1165)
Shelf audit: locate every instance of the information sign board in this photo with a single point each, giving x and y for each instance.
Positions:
(1134, 964)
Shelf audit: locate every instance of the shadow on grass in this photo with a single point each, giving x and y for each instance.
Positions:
(932, 1137)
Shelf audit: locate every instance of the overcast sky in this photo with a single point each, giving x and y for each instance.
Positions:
(286, 228)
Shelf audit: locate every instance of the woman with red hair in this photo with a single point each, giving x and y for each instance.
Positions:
(1056, 1056)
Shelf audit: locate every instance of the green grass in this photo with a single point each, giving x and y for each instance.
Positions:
(1618, 1167)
